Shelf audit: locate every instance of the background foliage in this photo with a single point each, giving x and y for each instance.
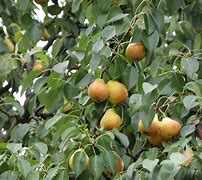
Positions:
(87, 41)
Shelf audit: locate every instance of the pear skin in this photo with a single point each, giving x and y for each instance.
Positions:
(111, 120)
(9, 44)
(135, 51)
(71, 159)
(169, 128)
(117, 92)
(98, 90)
(152, 130)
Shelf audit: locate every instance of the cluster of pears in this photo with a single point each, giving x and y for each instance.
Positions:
(115, 92)
(160, 131)
(118, 160)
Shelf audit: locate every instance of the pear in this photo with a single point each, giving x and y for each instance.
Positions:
(155, 140)
(9, 44)
(169, 128)
(111, 120)
(98, 90)
(117, 92)
(135, 51)
(152, 130)
(71, 159)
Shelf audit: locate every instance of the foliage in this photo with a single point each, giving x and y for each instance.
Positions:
(87, 41)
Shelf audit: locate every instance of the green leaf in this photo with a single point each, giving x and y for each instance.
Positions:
(53, 121)
(190, 66)
(115, 14)
(26, 82)
(23, 5)
(122, 138)
(190, 102)
(98, 46)
(33, 175)
(52, 173)
(96, 165)
(79, 162)
(169, 171)
(147, 87)
(108, 32)
(9, 175)
(54, 9)
(35, 32)
(187, 130)
(61, 67)
(14, 147)
(177, 158)
(24, 167)
(197, 41)
(56, 47)
(109, 160)
(19, 132)
(76, 5)
(42, 147)
(95, 61)
(149, 164)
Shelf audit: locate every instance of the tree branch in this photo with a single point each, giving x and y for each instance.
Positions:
(5, 88)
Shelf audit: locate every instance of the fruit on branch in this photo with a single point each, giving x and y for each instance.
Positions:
(46, 35)
(38, 67)
(98, 90)
(155, 140)
(117, 92)
(119, 163)
(42, 2)
(111, 120)
(71, 159)
(152, 130)
(169, 128)
(135, 51)
(189, 154)
(9, 44)
(67, 107)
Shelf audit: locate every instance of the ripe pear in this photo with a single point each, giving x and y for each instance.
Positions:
(155, 140)
(38, 66)
(169, 128)
(111, 120)
(9, 44)
(42, 2)
(135, 51)
(152, 130)
(71, 159)
(189, 155)
(119, 163)
(98, 90)
(117, 92)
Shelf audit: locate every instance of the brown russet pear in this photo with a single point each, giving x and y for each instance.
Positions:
(117, 92)
(153, 129)
(155, 140)
(189, 154)
(169, 128)
(42, 2)
(111, 120)
(9, 44)
(135, 51)
(98, 90)
(71, 159)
